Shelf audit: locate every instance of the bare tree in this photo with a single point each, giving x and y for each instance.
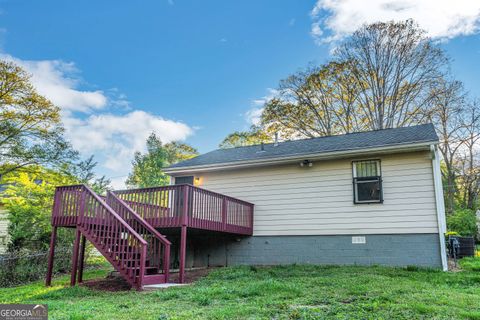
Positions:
(320, 101)
(448, 99)
(395, 67)
(382, 77)
(385, 75)
(334, 86)
(468, 161)
(302, 107)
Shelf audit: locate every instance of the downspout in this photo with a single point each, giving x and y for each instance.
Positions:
(440, 204)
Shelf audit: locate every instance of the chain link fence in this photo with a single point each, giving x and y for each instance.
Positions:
(23, 267)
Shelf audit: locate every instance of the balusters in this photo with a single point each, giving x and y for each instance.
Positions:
(164, 207)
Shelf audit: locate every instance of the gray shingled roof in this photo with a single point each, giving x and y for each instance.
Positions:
(345, 142)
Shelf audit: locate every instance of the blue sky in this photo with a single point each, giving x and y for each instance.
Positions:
(193, 70)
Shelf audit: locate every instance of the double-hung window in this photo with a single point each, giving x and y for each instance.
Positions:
(367, 182)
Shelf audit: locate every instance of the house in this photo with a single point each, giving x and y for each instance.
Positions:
(360, 198)
(4, 238)
(3, 229)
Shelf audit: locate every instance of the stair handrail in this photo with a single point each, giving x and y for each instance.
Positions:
(112, 212)
(163, 240)
(58, 204)
(121, 266)
(140, 219)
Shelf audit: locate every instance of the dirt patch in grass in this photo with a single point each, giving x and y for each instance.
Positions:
(452, 267)
(110, 283)
(114, 282)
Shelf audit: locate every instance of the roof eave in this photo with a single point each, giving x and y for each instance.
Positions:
(313, 156)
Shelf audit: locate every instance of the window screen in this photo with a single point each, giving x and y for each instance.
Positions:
(368, 168)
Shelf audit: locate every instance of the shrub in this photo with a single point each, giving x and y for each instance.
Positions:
(463, 222)
(452, 233)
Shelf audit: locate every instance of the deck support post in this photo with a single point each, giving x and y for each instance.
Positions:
(82, 259)
(166, 263)
(51, 255)
(183, 254)
(76, 246)
(183, 235)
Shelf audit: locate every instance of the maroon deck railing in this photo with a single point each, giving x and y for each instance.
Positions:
(122, 246)
(177, 205)
(66, 205)
(158, 253)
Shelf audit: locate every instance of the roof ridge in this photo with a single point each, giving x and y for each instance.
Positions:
(365, 140)
(324, 137)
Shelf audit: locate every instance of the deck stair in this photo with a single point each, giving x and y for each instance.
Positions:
(134, 248)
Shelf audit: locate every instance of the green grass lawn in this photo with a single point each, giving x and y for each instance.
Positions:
(291, 292)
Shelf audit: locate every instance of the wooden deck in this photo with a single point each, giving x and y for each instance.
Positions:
(170, 207)
(124, 225)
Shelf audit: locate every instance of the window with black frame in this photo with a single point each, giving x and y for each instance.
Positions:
(367, 182)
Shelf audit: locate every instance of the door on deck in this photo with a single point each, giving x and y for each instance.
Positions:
(184, 180)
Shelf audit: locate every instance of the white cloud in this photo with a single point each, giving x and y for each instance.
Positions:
(271, 93)
(253, 116)
(117, 137)
(316, 31)
(58, 81)
(118, 182)
(442, 19)
(112, 138)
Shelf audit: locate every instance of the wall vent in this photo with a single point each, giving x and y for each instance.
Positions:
(359, 240)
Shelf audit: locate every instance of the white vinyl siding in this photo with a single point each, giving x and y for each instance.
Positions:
(318, 200)
(3, 229)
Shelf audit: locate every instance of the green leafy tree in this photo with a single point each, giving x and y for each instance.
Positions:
(30, 125)
(463, 221)
(28, 200)
(147, 168)
(177, 152)
(246, 138)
